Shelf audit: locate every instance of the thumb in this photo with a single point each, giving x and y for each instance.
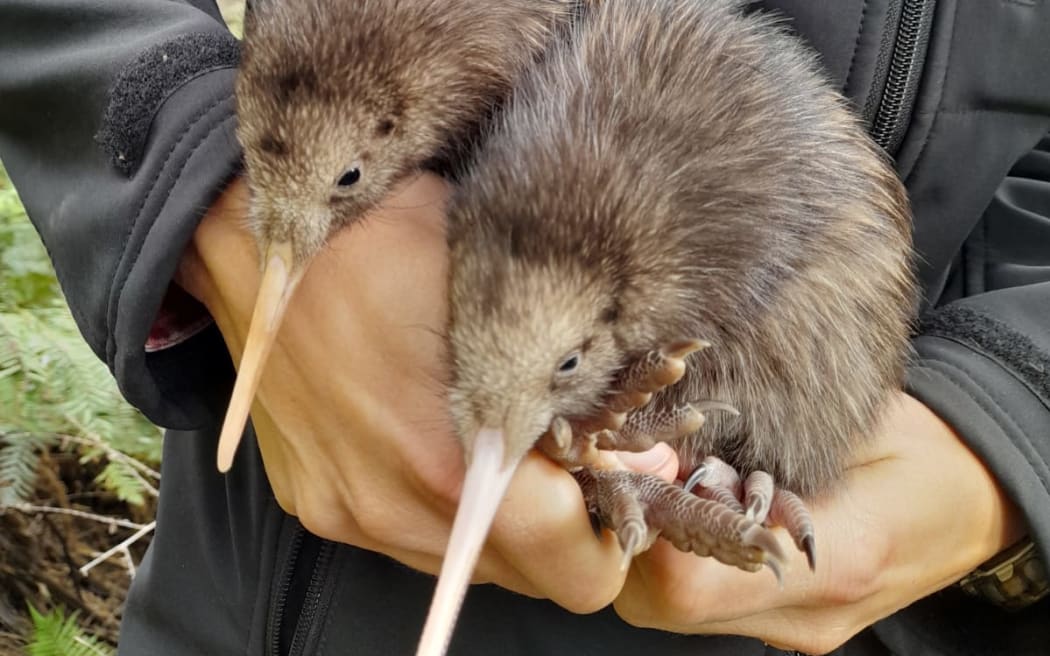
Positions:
(660, 460)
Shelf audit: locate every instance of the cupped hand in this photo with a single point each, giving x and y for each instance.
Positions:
(351, 416)
(917, 512)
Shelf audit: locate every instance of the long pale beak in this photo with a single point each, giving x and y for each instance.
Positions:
(279, 280)
(488, 476)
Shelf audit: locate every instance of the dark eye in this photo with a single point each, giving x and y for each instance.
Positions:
(569, 364)
(350, 177)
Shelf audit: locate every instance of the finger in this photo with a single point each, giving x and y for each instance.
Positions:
(682, 592)
(544, 532)
(661, 460)
(379, 513)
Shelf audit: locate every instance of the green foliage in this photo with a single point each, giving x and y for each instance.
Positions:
(57, 634)
(233, 14)
(122, 479)
(51, 384)
(26, 279)
(19, 457)
(55, 393)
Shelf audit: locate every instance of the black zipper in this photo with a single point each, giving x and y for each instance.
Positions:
(312, 606)
(280, 595)
(902, 74)
(293, 610)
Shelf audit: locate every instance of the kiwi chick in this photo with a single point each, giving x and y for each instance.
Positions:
(676, 169)
(337, 101)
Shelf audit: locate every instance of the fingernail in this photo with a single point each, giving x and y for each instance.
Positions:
(652, 460)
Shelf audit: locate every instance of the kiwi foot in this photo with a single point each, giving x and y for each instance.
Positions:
(639, 507)
(758, 498)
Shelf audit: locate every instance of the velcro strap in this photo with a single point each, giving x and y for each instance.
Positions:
(145, 83)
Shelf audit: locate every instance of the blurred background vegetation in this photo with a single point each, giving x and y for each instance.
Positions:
(78, 466)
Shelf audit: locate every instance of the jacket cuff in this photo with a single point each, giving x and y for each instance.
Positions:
(178, 387)
(989, 383)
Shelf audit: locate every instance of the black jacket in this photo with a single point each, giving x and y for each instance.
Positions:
(117, 127)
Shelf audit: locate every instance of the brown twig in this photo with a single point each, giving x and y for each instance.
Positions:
(119, 547)
(30, 509)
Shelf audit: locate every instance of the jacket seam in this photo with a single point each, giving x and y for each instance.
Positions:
(920, 159)
(1023, 448)
(963, 111)
(1010, 359)
(856, 44)
(994, 360)
(115, 297)
(985, 255)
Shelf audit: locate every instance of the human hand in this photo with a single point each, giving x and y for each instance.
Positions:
(350, 414)
(917, 512)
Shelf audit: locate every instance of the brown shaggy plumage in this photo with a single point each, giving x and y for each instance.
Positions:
(383, 86)
(678, 169)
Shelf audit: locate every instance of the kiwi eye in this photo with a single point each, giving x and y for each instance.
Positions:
(350, 177)
(569, 364)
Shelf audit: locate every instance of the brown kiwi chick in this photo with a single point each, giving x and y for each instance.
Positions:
(337, 101)
(674, 169)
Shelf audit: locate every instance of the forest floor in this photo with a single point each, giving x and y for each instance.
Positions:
(43, 552)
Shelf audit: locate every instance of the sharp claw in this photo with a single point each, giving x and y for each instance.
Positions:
(773, 555)
(596, 525)
(669, 374)
(684, 347)
(562, 433)
(789, 511)
(694, 479)
(625, 560)
(763, 539)
(630, 544)
(774, 566)
(810, 548)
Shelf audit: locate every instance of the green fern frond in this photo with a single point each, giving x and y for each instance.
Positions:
(51, 384)
(19, 457)
(123, 481)
(58, 634)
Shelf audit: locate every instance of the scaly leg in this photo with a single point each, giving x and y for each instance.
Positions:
(763, 500)
(624, 422)
(639, 507)
(641, 426)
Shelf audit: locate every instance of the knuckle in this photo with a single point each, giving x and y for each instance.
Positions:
(656, 608)
(323, 523)
(374, 520)
(585, 602)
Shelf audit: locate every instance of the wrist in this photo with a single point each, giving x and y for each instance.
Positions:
(994, 520)
(1014, 578)
(219, 267)
(219, 241)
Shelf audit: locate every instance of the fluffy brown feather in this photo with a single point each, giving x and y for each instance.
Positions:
(383, 86)
(676, 168)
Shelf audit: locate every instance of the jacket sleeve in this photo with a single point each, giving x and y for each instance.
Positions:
(983, 359)
(117, 129)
